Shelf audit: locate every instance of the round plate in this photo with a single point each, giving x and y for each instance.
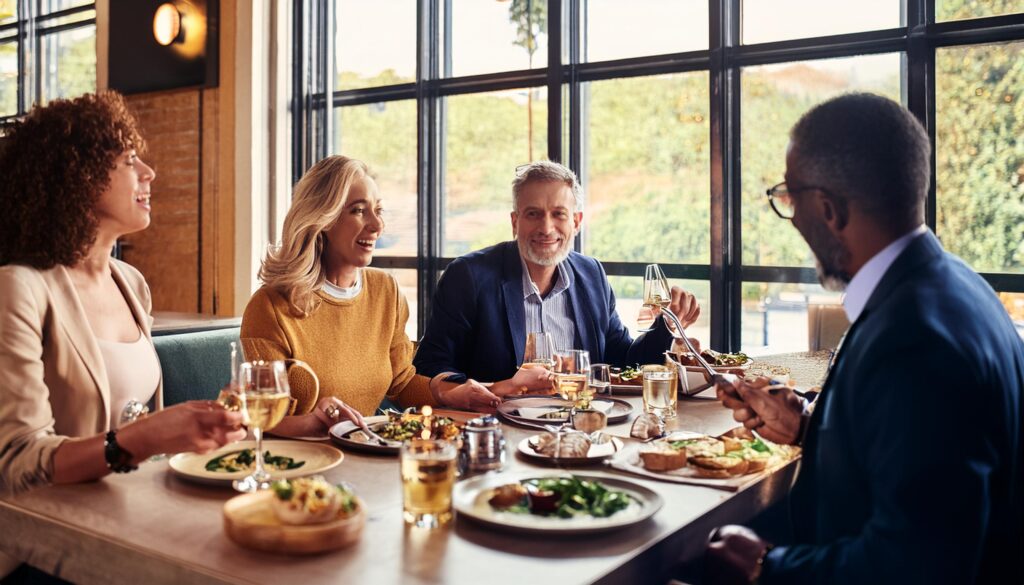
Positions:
(318, 457)
(513, 410)
(470, 500)
(341, 434)
(596, 454)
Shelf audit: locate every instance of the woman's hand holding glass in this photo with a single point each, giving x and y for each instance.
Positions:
(197, 426)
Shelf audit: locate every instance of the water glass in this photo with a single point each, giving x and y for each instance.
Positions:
(659, 395)
(428, 474)
(601, 379)
(572, 374)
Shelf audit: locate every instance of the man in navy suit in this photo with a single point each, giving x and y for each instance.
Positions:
(488, 301)
(911, 467)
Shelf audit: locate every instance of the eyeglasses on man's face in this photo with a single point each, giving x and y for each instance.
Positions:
(781, 199)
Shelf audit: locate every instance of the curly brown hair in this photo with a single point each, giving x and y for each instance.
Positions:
(55, 164)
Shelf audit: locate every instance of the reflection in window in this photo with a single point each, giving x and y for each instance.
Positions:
(964, 9)
(375, 43)
(498, 36)
(617, 30)
(383, 135)
(629, 299)
(779, 20)
(979, 154)
(68, 62)
(647, 159)
(775, 317)
(773, 99)
(488, 136)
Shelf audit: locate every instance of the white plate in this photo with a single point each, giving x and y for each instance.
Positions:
(341, 434)
(318, 457)
(470, 500)
(596, 454)
(510, 409)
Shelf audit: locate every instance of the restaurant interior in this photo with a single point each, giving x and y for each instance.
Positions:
(675, 115)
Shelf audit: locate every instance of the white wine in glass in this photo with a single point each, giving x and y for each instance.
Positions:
(265, 394)
(539, 350)
(572, 374)
(656, 294)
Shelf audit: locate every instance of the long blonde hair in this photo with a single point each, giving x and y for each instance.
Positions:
(295, 267)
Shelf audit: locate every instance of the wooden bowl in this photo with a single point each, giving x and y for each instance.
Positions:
(250, 521)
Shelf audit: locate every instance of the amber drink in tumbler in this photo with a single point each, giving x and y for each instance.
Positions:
(428, 474)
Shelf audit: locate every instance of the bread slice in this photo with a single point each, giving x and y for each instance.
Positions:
(722, 467)
(662, 456)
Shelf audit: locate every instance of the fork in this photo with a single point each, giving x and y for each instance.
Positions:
(380, 440)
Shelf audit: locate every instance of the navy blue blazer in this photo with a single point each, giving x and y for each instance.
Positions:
(911, 469)
(477, 318)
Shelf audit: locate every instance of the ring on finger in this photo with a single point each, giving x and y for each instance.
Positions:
(332, 411)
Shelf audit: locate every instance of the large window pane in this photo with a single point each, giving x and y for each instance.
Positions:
(979, 139)
(774, 318)
(383, 135)
(647, 169)
(779, 20)
(492, 36)
(8, 11)
(49, 6)
(617, 30)
(773, 98)
(375, 43)
(8, 79)
(964, 9)
(488, 136)
(629, 298)
(68, 63)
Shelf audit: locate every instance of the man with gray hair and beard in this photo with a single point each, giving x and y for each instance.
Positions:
(912, 457)
(489, 300)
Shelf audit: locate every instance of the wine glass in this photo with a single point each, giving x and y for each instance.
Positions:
(656, 294)
(540, 350)
(265, 396)
(572, 374)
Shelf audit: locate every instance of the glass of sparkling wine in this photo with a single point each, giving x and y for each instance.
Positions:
(539, 350)
(572, 374)
(656, 294)
(263, 387)
(428, 474)
(660, 390)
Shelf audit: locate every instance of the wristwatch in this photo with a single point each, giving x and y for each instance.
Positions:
(118, 459)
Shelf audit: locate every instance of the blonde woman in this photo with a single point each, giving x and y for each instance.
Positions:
(322, 304)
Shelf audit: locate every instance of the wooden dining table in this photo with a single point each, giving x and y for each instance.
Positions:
(152, 526)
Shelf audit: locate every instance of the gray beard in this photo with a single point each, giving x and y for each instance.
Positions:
(549, 261)
(829, 256)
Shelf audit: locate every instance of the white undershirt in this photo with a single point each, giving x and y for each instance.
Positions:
(351, 292)
(133, 372)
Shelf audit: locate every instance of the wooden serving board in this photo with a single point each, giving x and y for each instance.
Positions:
(250, 522)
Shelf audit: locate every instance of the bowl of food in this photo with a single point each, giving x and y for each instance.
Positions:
(305, 515)
(723, 363)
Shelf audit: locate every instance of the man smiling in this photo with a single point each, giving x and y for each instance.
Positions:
(488, 301)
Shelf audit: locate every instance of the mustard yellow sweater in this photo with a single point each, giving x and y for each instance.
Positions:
(357, 347)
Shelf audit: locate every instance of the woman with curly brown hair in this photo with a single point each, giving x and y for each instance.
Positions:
(75, 346)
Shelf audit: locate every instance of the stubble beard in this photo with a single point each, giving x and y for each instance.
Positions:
(829, 258)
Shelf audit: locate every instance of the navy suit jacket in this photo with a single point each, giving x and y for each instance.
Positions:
(477, 318)
(911, 469)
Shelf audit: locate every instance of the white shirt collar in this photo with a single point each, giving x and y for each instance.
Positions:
(563, 280)
(867, 278)
(341, 293)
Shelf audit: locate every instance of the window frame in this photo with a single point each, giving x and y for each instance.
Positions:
(314, 101)
(35, 25)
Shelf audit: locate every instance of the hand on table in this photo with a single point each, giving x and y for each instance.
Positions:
(471, 395)
(774, 411)
(529, 379)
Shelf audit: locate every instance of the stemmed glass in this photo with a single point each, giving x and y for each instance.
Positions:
(656, 294)
(265, 396)
(540, 350)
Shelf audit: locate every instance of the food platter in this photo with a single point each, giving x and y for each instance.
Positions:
(250, 522)
(317, 458)
(597, 453)
(547, 410)
(347, 435)
(470, 499)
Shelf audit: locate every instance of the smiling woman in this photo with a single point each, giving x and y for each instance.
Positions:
(321, 303)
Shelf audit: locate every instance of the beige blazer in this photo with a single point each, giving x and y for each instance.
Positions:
(53, 382)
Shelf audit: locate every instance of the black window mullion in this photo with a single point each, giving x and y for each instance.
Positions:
(554, 80)
(429, 153)
(920, 80)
